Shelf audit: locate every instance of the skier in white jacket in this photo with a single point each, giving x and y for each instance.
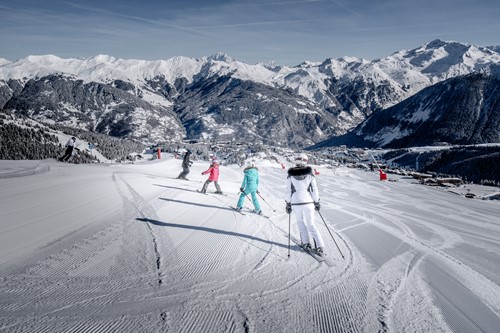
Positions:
(302, 198)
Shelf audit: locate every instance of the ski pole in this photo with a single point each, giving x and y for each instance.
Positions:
(331, 234)
(266, 202)
(289, 221)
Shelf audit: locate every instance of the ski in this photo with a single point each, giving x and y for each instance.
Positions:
(207, 193)
(250, 210)
(324, 258)
(267, 217)
(238, 211)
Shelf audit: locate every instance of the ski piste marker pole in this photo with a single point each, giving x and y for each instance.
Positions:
(266, 202)
(378, 166)
(331, 234)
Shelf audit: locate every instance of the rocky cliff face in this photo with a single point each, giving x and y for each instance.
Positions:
(103, 108)
(461, 110)
(224, 108)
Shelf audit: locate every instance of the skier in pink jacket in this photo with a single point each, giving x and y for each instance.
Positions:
(213, 177)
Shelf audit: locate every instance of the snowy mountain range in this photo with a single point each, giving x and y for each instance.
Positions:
(460, 110)
(220, 98)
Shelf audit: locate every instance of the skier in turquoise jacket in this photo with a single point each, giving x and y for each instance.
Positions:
(250, 186)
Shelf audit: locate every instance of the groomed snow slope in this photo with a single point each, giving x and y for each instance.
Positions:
(129, 248)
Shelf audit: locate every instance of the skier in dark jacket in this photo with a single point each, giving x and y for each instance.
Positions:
(302, 197)
(70, 145)
(250, 185)
(186, 164)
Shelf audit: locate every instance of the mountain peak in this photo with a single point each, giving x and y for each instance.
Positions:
(102, 58)
(435, 44)
(42, 59)
(221, 56)
(4, 61)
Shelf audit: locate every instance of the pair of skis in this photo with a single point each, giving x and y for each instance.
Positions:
(249, 210)
(320, 258)
(243, 213)
(211, 193)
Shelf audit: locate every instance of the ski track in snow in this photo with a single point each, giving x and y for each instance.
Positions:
(163, 257)
(418, 245)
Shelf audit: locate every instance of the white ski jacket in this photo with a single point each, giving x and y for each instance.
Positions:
(301, 186)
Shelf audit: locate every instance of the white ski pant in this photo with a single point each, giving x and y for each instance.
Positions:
(304, 214)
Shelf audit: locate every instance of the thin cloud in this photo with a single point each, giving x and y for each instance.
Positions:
(111, 13)
(252, 4)
(246, 24)
(278, 3)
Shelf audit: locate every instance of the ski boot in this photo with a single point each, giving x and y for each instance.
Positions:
(306, 246)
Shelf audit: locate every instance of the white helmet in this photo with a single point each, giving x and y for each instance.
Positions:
(301, 159)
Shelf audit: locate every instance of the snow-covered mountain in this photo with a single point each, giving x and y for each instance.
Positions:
(460, 110)
(210, 96)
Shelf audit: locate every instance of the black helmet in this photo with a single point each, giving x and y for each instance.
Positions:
(189, 152)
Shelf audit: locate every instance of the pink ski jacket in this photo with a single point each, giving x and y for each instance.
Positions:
(214, 173)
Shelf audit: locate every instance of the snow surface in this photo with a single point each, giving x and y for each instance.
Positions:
(129, 248)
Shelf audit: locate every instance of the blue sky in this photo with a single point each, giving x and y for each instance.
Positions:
(285, 31)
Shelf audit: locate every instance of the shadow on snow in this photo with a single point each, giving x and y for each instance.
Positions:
(211, 230)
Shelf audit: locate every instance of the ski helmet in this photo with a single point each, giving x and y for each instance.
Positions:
(301, 159)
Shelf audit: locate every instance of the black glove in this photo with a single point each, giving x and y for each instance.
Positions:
(288, 208)
(242, 189)
(258, 192)
(317, 206)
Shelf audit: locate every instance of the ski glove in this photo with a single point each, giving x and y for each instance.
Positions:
(242, 189)
(317, 206)
(288, 208)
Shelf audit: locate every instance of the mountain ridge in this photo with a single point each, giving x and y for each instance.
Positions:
(346, 90)
(460, 110)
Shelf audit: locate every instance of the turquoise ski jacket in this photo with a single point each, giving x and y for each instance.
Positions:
(251, 180)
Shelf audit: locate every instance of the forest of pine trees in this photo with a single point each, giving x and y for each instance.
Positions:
(23, 141)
